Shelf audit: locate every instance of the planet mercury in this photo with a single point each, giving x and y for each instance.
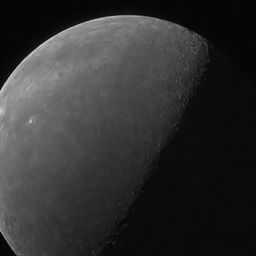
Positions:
(83, 120)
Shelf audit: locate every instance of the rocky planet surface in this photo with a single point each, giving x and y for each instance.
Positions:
(83, 120)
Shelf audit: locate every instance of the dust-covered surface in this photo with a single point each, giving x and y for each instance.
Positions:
(83, 118)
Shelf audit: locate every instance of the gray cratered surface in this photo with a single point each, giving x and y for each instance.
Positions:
(82, 120)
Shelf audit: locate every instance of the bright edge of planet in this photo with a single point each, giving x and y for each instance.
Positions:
(83, 119)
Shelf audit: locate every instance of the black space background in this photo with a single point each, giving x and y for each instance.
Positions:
(207, 206)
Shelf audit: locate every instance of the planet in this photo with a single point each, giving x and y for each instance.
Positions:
(83, 121)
